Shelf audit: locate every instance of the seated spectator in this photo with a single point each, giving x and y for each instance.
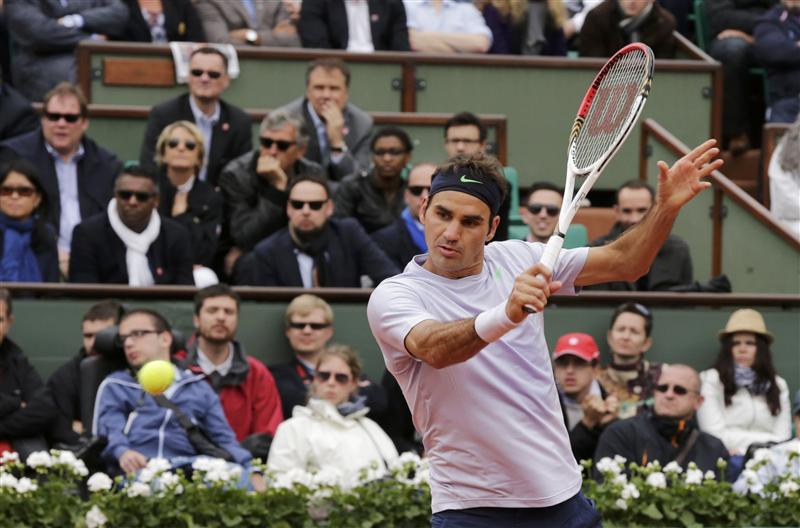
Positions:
(309, 327)
(630, 377)
(529, 28)
(191, 202)
(405, 237)
(254, 184)
(673, 263)
(354, 26)
(588, 409)
(25, 408)
(397, 421)
(225, 127)
(246, 388)
(784, 180)
(314, 250)
(28, 244)
(145, 336)
(45, 35)
(446, 26)
(130, 243)
(669, 431)
(746, 402)
(332, 431)
(17, 116)
(542, 210)
(64, 384)
(576, 13)
(160, 21)
(256, 23)
(375, 197)
(77, 173)
(777, 48)
(616, 23)
(339, 131)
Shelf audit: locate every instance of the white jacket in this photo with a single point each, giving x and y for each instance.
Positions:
(747, 419)
(317, 437)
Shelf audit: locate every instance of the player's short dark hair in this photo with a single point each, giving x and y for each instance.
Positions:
(328, 64)
(635, 185)
(160, 322)
(543, 186)
(466, 119)
(105, 310)
(211, 50)
(215, 290)
(635, 308)
(309, 177)
(396, 132)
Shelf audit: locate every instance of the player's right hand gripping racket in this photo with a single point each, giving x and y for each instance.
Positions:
(606, 116)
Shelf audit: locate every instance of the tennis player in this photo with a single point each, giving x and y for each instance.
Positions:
(474, 366)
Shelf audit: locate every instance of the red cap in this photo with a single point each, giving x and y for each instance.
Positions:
(577, 344)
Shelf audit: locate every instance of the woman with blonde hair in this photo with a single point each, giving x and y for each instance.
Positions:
(528, 27)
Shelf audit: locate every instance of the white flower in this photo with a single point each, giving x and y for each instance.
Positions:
(327, 477)
(294, 476)
(80, 468)
(608, 465)
(673, 467)
(694, 476)
(710, 475)
(158, 465)
(39, 459)
(66, 458)
(99, 482)
(146, 475)
(657, 480)
(24, 485)
(789, 488)
(621, 504)
(620, 479)
(762, 454)
(8, 457)
(409, 457)
(8, 480)
(630, 491)
(138, 489)
(209, 464)
(95, 517)
(619, 459)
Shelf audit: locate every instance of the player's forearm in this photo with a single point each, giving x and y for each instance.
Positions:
(443, 344)
(637, 248)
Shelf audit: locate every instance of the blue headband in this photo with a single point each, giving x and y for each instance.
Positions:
(471, 181)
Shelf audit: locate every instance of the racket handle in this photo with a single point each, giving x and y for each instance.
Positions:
(549, 258)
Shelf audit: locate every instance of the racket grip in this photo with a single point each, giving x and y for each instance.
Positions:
(549, 258)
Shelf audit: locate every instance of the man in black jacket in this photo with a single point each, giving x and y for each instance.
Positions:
(226, 128)
(16, 113)
(380, 25)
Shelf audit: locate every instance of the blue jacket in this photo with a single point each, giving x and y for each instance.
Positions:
(131, 419)
(776, 37)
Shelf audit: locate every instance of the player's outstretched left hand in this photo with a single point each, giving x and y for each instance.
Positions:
(678, 184)
(532, 288)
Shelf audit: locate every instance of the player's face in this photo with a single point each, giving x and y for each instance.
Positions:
(333, 380)
(309, 333)
(744, 348)
(218, 319)
(677, 393)
(89, 330)
(308, 208)
(543, 208)
(627, 336)
(204, 87)
(463, 139)
(457, 226)
(632, 205)
(141, 342)
(419, 181)
(573, 374)
(326, 87)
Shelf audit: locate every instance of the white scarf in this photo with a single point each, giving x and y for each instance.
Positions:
(137, 245)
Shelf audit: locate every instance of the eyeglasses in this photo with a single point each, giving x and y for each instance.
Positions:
(211, 73)
(552, 210)
(141, 196)
(391, 152)
(189, 144)
(314, 205)
(136, 335)
(680, 390)
(324, 375)
(462, 140)
(416, 190)
(631, 210)
(22, 192)
(314, 326)
(282, 145)
(55, 117)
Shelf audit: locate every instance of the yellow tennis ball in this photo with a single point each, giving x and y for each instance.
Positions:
(156, 376)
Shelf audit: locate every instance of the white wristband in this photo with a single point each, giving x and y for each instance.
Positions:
(493, 324)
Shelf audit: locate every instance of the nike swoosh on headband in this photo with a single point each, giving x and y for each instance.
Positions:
(464, 179)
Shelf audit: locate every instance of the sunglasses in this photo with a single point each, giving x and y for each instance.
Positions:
(141, 196)
(211, 73)
(416, 190)
(552, 210)
(314, 205)
(189, 144)
(22, 192)
(55, 117)
(324, 375)
(680, 390)
(392, 152)
(282, 145)
(314, 326)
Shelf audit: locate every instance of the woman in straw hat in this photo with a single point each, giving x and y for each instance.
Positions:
(746, 402)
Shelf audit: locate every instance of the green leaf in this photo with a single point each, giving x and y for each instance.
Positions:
(652, 512)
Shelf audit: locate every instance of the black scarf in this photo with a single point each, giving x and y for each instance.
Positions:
(315, 245)
(673, 429)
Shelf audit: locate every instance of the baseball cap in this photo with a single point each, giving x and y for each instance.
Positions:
(577, 344)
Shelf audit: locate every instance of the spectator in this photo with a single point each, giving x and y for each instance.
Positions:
(45, 34)
(314, 250)
(507, 22)
(65, 383)
(130, 243)
(730, 35)
(541, 212)
(225, 127)
(446, 26)
(254, 184)
(529, 28)
(397, 420)
(257, 23)
(191, 202)
(375, 197)
(28, 244)
(339, 130)
(77, 173)
(357, 26)
(673, 264)
(25, 409)
(669, 431)
(332, 431)
(777, 48)
(17, 116)
(309, 327)
(746, 402)
(405, 237)
(576, 13)
(616, 23)
(588, 409)
(630, 377)
(784, 180)
(145, 336)
(246, 388)
(161, 21)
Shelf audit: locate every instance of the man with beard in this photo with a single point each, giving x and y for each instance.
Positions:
(314, 250)
(541, 213)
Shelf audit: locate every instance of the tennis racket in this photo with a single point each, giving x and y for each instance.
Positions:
(606, 117)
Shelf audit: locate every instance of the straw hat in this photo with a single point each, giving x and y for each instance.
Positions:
(746, 320)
